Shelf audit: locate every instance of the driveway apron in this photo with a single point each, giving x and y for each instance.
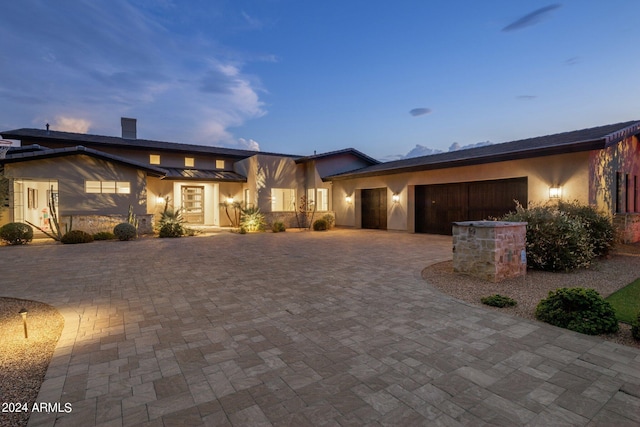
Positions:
(301, 328)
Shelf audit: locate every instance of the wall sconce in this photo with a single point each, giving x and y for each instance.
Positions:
(23, 313)
(348, 199)
(160, 200)
(555, 192)
(395, 198)
(230, 200)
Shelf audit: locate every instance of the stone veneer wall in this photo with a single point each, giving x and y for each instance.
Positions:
(289, 218)
(628, 227)
(95, 223)
(491, 250)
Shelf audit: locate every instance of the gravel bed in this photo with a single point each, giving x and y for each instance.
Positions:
(24, 362)
(606, 276)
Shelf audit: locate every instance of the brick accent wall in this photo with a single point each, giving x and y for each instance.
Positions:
(95, 223)
(628, 227)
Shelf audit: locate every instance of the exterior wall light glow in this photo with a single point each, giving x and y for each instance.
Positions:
(555, 192)
(348, 199)
(160, 200)
(230, 200)
(395, 198)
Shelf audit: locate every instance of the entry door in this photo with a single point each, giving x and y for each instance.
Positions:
(374, 208)
(193, 204)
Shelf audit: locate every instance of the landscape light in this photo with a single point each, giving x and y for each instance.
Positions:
(23, 312)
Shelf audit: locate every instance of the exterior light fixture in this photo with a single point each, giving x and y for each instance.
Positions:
(230, 200)
(348, 199)
(23, 313)
(555, 192)
(395, 198)
(160, 200)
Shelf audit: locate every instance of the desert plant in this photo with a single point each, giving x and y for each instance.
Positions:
(498, 301)
(237, 211)
(76, 236)
(305, 212)
(278, 227)
(104, 235)
(556, 241)
(330, 220)
(635, 328)
(171, 229)
(4, 191)
(16, 233)
(252, 220)
(171, 222)
(56, 231)
(132, 217)
(320, 225)
(125, 231)
(578, 309)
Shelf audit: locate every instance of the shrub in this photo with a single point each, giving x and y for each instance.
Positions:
(278, 226)
(252, 219)
(320, 225)
(330, 220)
(598, 225)
(556, 241)
(578, 309)
(76, 236)
(104, 235)
(125, 231)
(16, 233)
(635, 328)
(171, 229)
(498, 301)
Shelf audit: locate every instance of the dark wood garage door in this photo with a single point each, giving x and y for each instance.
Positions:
(437, 206)
(374, 208)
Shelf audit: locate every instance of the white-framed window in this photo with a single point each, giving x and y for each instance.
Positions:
(283, 199)
(189, 162)
(318, 197)
(107, 187)
(219, 164)
(247, 199)
(154, 159)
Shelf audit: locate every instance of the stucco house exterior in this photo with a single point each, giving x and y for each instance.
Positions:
(96, 178)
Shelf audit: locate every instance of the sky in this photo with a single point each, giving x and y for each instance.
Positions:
(390, 79)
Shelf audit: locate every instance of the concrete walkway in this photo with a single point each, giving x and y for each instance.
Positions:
(301, 328)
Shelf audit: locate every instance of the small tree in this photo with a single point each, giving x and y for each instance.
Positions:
(4, 191)
(237, 212)
(305, 212)
(56, 231)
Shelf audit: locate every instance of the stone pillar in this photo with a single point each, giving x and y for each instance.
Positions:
(490, 250)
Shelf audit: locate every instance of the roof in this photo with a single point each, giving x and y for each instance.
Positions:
(21, 156)
(204, 174)
(351, 151)
(42, 135)
(567, 142)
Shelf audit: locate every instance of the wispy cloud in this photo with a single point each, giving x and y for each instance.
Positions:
(526, 97)
(92, 62)
(420, 111)
(70, 124)
(532, 18)
(573, 60)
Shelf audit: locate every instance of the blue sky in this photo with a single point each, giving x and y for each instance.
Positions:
(295, 76)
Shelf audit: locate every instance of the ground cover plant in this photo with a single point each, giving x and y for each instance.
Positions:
(251, 220)
(498, 300)
(626, 302)
(76, 236)
(278, 227)
(578, 309)
(16, 233)
(125, 231)
(104, 235)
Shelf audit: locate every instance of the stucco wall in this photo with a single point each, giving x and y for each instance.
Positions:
(570, 171)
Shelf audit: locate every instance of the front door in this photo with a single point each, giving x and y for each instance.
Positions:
(374, 208)
(193, 204)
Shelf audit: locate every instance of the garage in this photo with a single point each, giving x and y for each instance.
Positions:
(374, 208)
(438, 205)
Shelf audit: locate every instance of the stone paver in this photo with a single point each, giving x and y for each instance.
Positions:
(301, 328)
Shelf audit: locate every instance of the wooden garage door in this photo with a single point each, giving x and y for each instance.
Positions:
(437, 206)
(374, 208)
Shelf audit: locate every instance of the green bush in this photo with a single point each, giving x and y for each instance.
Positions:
(104, 235)
(498, 301)
(599, 227)
(16, 233)
(171, 229)
(556, 240)
(635, 328)
(278, 227)
(76, 236)
(330, 220)
(578, 309)
(125, 231)
(252, 219)
(320, 225)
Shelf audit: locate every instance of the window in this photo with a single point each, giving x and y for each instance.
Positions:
(219, 164)
(189, 162)
(107, 187)
(154, 159)
(283, 200)
(247, 200)
(318, 197)
(619, 192)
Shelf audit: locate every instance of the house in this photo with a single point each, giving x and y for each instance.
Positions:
(96, 178)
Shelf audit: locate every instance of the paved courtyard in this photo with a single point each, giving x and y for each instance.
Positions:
(301, 328)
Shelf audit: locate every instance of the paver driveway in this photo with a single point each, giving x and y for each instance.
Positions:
(301, 328)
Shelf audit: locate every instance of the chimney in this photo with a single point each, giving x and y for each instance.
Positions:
(128, 128)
